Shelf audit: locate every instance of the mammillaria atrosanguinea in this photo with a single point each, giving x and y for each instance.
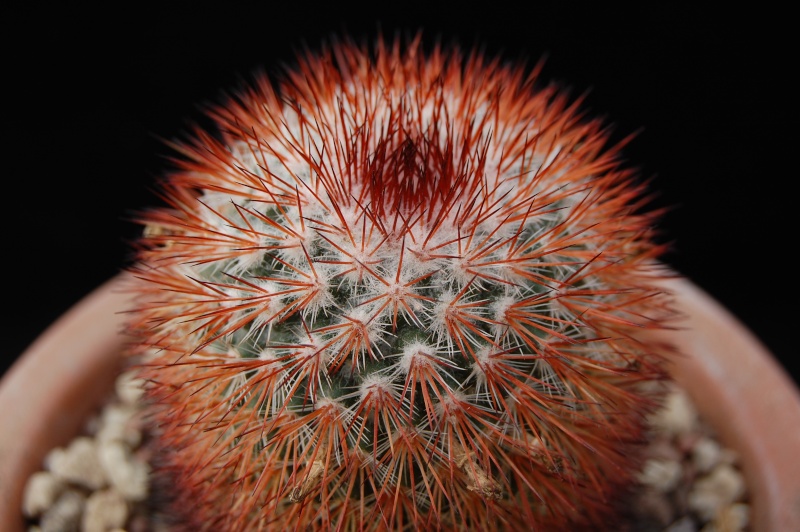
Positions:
(399, 289)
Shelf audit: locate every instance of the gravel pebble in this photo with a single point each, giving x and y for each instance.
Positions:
(78, 463)
(661, 475)
(713, 492)
(127, 475)
(129, 388)
(678, 417)
(41, 492)
(706, 454)
(105, 510)
(65, 514)
(684, 524)
(118, 423)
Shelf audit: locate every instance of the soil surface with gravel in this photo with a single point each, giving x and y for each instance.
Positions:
(99, 481)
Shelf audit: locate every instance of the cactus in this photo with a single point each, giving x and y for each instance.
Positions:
(399, 289)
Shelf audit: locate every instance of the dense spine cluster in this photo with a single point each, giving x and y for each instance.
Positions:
(397, 291)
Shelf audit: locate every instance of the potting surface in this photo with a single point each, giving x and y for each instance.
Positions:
(99, 481)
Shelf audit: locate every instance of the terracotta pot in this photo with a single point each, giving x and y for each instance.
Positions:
(736, 383)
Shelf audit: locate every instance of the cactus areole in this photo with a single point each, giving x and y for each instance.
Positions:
(397, 289)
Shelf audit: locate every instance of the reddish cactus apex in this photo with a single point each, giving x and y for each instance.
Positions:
(398, 290)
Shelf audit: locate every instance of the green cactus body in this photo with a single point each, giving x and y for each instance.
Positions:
(398, 291)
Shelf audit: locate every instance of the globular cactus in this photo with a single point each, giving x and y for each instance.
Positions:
(400, 289)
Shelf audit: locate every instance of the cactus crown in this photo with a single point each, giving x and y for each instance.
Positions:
(397, 290)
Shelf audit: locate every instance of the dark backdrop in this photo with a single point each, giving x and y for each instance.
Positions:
(87, 94)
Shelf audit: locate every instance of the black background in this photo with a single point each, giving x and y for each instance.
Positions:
(88, 94)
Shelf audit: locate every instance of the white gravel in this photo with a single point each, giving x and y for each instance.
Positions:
(98, 482)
